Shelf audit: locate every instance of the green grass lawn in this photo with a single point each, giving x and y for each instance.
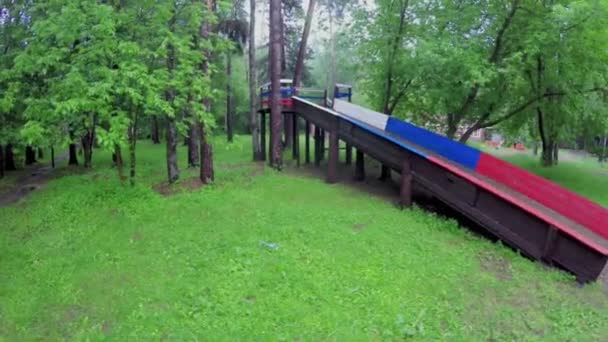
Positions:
(90, 258)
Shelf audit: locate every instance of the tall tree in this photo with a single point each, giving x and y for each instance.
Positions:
(171, 138)
(234, 27)
(275, 49)
(206, 173)
(253, 95)
(297, 75)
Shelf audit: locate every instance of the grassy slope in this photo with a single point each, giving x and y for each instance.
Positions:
(89, 257)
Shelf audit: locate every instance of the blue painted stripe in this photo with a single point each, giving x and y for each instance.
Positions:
(285, 92)
(385, 136)
(342, 95)
(439, 144)
(310, 97)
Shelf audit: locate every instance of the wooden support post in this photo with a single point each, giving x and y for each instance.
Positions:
(296, 139)
(263, 135)
(317, 145)
(322, 149)
(307, 142)
(349, 154)
(550, 245)
(359, 166)
(332, 162)
(406, 184)
(293, 128)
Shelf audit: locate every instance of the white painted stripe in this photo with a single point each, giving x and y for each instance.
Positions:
(368, 116)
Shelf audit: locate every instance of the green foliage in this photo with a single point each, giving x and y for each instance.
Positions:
(88, 258)
(76, 67)
(472, 64)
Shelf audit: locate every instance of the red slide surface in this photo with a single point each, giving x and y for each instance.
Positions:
(551, 195)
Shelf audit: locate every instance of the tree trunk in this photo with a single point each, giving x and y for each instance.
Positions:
(154, 130)
(332, 59)
(287, 123)
(547, 154)
(546, 143)
(300, 63)
(282, 39)
(52, 157)
(297, 76)
(467, 134)
(193, 131)
(172, 168)
(87, 146)
(275, 47)
(535, 150)
(555, 153)
(117, 159)
(30, 155)
(452, 128)
(603, 156)
(229, 109)
(1, 161)
(193, 141)
(73, 155)
(253, 75)
(9, 160)
(40, 154)
(206, 173)
(385, 173)
(132, 147)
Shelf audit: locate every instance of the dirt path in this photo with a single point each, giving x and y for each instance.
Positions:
(32, 178)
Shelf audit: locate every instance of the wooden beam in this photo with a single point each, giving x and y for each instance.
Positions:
(332, 163)
(359, 166)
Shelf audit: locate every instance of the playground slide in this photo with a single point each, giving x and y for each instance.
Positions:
(481, 166)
